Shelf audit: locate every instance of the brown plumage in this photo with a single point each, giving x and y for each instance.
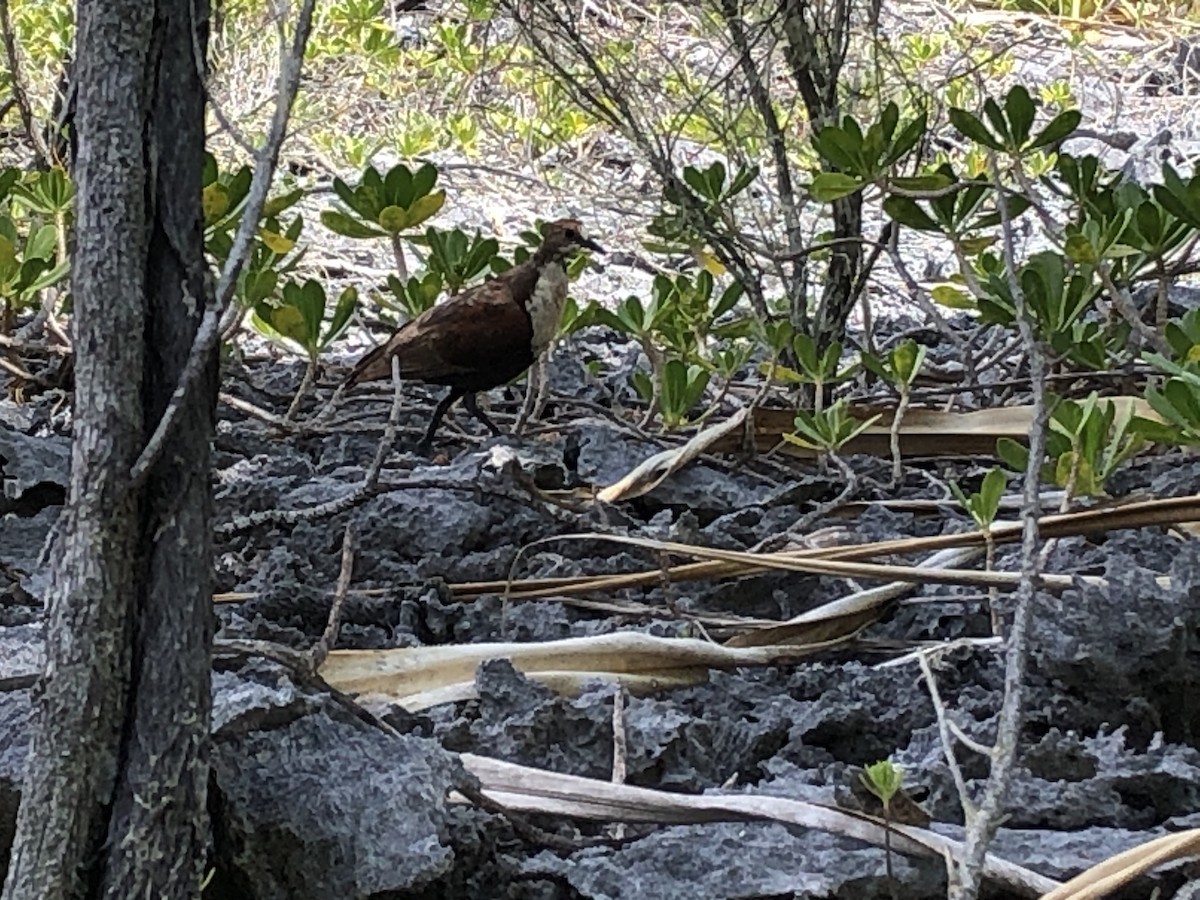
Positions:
(487, 335)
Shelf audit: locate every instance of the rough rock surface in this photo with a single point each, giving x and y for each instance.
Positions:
(312, 800)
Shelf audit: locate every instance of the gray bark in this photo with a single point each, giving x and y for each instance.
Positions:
(114, 797)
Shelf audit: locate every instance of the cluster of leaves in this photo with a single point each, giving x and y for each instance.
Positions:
(45, 32)
(1177, 399)
(35, 219)
(394, 205)
(284, 309)
(700, 198)
(276, 250)
(1087, 442)
(452, 63)
(687, 333)
(385, 205)
(455, 260)
(1116, 234)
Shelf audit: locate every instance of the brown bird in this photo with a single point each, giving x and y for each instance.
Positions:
(487, 335)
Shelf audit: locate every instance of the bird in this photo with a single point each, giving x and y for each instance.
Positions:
(485, 336)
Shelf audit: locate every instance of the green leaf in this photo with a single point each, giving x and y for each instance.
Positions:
(632, 316)
(873, 364)
(1059, 129)
(276, 205)
(1150, 224)
(346, 194)
(696, 181)
(239, 185)
(883, 779)
(1080, 250)
(346, 304)
(287, 321)
(208, 173)
(425, 207)
(907, 359)
(1012, 454)
(1017, 204)
(1158, 432)
(309, 300)
(393, 219)
(744, 178)
(49, 278)
(1021, 112)
(888, 120)
(642, 383)
(922, 183)
(728, 300)
(838, 148)
(398, 186)
(784, 373)
(995, 116)
(715, 176)
(970, 127)
(342, 224)
(952, 298)
(907, 212)
(973, 246)
(829, 186)
(43, 243)
(908, 138)
(9, 266)
(991, 492)
(423, 181)
(214, 202)
(805, 349)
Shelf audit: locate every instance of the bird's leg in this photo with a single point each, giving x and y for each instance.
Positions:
(535, 394)
(472, 407)
(439, 413)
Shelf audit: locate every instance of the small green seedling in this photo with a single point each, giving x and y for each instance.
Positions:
(900, 367)
(983, 506)
(1086, 443)
(819, 370)
(457, 257)
(416, 295)
(884, 780)
(297, 320)
(829, 430)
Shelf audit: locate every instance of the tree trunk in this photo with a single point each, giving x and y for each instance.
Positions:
(114, 796)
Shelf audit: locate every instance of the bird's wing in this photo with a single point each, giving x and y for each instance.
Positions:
(479, 330)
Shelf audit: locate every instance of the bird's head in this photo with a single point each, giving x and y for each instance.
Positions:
(564, 237)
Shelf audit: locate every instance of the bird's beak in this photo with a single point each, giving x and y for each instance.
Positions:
(589, 244)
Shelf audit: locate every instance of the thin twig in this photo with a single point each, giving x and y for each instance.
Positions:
(255, 412)
(341, 504)
(620, 738)
(320, 650)
(944, 732)
(1119, 295)
(310, 371)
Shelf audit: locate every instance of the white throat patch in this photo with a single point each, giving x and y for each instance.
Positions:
(546, 305)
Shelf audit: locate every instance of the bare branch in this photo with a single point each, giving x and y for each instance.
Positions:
(981, 828)
(20, 96)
